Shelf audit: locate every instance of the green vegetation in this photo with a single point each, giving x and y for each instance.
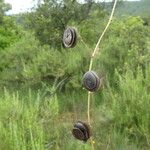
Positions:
(41, 82)
(130, 8)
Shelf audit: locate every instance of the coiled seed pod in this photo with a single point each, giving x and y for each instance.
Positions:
(70, 37)
(91, 81)
(81, 131)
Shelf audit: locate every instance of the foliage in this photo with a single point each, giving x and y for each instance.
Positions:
(33, 122)
(27, 61)
(50, 19)
(14, 59)
(45, 95)
(126, 109)
(9, 32)
(25, 123)
(126, 44)
(131, 8)
(4, 7)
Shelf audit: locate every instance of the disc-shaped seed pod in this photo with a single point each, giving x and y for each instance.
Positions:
(81, 131)
(70, 37)
(91, 81)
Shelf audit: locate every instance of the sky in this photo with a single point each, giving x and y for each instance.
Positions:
(24, 5)
(20, 5)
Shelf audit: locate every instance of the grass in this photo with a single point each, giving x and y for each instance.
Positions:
(121, 118)
(34, 123)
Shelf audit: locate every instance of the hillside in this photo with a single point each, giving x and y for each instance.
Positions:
(132, 8)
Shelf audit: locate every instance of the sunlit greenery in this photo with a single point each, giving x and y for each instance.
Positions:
(41, 88)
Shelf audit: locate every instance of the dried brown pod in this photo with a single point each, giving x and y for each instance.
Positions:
(91, 81)
(81, 131)
(70, 37)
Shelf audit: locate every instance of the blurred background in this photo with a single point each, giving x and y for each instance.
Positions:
(41, 90)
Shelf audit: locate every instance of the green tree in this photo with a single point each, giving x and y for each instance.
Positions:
(3, 8)
(126, 46)
(50, 18)
(9, 31)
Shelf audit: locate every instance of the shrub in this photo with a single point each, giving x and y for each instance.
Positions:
(9, 32)
(126, 44)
